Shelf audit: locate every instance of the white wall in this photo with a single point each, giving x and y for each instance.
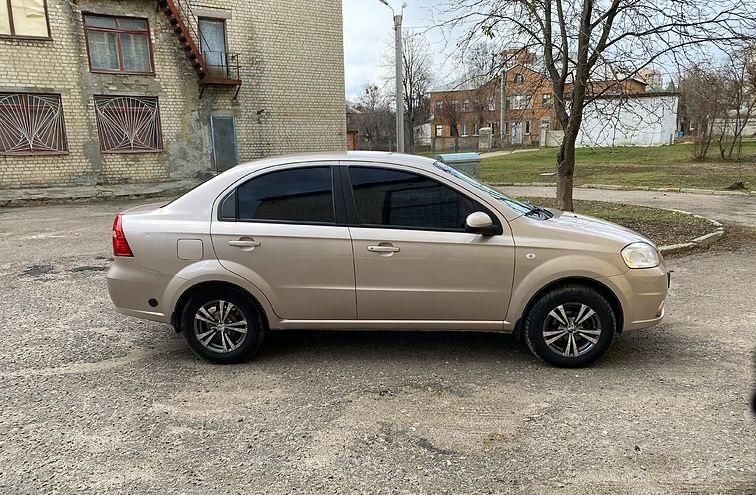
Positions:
(638, 121)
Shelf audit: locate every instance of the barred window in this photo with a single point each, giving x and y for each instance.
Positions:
(128, 124)
(31, 124)
(24, 18)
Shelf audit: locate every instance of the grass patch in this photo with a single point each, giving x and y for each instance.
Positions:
(663, 227)
(661, 166)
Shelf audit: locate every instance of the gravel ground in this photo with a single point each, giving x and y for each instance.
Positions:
(93, 401)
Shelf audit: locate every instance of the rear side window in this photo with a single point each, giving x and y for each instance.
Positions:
(394, 198)
(293, 195)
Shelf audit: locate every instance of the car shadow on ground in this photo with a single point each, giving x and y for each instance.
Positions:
(647, 347)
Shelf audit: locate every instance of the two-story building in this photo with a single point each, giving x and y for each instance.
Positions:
(528, 109)
(108, 91)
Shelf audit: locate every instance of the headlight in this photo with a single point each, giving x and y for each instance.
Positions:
(640, 255)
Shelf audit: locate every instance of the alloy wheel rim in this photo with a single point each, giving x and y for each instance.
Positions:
(572, 329)
(220, 326)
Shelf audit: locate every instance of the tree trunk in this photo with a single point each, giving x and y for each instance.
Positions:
(565, 171)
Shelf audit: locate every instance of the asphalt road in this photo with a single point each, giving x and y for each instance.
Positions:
(93, 401)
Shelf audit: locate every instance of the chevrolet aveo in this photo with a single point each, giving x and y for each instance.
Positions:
(377, 241)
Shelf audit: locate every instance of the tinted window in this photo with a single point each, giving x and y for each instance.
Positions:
(300, 194)
(228, 207)
(401, 199)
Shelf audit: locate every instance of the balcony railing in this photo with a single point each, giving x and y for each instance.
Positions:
(222, 67)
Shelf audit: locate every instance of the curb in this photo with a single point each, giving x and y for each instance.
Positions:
(96, 193)
(612, 187)
(702, 241)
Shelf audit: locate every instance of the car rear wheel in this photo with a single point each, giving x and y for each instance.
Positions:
(222, 325)
(570, 326)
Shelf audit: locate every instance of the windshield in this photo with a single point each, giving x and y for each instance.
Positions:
(517, 206)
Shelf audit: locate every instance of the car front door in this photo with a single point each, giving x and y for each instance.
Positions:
(278, 230)
(413, 259)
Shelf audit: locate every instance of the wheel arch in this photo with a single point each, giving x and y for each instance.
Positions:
(594, 284)
(209, 284)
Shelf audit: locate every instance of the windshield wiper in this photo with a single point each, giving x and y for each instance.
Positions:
(537, 210)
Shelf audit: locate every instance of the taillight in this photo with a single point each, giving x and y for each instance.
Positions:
(120, 244)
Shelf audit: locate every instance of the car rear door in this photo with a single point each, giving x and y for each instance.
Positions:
(413, 259)
(279, 230)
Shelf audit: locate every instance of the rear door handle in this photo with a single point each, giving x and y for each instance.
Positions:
(383, 249)
(244, 243)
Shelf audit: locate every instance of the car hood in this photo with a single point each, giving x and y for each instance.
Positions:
(593, 228)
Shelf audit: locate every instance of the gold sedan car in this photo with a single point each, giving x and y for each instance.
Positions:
(376, 241)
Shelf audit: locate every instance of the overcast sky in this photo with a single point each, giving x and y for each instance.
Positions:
(369, 27)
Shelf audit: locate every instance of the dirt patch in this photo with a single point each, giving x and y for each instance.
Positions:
(88, 268)
(37, 270)
(735, 238)
(664, 227)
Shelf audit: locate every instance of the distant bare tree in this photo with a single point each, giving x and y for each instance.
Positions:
(701, 90)
(450, 112)
(480, 64)
(373, 118)
(418, 75)
(739, 95)
(586, 40)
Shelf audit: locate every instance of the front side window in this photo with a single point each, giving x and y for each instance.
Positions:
(511, 203)
(293, 195)
(24, 18)
(398, 199)
(128, 124)
(118, 44)
(31, 124)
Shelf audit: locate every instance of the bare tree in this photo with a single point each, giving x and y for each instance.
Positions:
(449, 111)
(418, 75)
(701, 90)
(373, 118)
(480, 63)
(739, 95)
(588, 40)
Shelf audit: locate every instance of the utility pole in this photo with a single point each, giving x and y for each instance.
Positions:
(399, 84)
(502, 105)
(399, 62)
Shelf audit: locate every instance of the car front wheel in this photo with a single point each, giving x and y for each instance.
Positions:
(222, 325)
(570, 326)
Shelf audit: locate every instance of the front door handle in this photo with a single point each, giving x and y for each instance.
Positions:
(244, 243)
(383, 249)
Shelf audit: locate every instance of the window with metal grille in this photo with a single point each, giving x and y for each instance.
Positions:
(128, 124)
(118, 44)
(31, 124)
(24, 18)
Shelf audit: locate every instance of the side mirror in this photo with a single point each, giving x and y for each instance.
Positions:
(480, 223)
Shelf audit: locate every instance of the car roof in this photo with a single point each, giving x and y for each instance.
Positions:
(371, 156)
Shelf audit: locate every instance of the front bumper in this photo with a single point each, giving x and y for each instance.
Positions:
(642, 293)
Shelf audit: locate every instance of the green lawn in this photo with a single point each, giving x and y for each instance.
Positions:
(662, 166)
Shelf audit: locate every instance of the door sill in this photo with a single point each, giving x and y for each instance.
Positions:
(417, 325)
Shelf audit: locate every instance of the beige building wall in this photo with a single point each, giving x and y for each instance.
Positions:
(291, 99)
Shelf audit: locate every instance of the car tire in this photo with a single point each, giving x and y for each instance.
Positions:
(231, 337)
(570, 326)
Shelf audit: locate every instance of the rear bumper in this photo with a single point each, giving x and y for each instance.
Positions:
(642, 293)
(131, 287)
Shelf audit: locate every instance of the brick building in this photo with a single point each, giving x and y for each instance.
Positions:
(457, 115)
(108, 91)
